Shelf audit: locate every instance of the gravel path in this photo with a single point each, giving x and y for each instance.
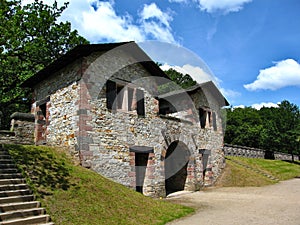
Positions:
(277, 204)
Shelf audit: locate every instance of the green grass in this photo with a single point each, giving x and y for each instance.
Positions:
(75, 195)
(236, 175)
(283, 170)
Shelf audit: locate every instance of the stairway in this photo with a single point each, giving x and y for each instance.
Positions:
(17, 204)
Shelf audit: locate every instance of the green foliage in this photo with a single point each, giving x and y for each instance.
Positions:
(275, 129)
(179, 81)
(75, 195)
(30, 38)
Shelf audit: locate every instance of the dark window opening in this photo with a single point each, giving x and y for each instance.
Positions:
(43, 109)
(140, 102)
(123, 98)
(141, 160)
(209, 115)
(202, 115)
(208, 118)
(111, 94)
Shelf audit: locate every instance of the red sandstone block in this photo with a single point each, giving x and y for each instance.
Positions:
(86, 153)
(131, 174)
(151, 162)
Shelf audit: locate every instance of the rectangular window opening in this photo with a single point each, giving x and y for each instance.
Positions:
(141, 161)
(123, 98)
(202, 115)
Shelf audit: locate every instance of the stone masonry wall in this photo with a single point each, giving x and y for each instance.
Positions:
(77, 117)
(243, 151)
(113, 133)
(21, 132)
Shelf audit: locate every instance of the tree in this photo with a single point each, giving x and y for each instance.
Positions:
(289, 126)
(273, 129)
(182, 80)
(243, 127)
(30, 39)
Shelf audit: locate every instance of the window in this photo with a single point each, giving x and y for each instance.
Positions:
(124, 98)
(202, 115)
(207, 118)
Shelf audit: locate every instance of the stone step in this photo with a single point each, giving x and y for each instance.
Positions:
(41, 219)
(12, 181)
(14, 199)
(7, 165)
(11, 193)
(3, 152)
(10, 175)
(23, 213)
(8, 170)
(6, 161)
(8, 187)
(4, 156)
(19, 205)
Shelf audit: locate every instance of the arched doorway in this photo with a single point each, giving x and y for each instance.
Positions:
(176, 162)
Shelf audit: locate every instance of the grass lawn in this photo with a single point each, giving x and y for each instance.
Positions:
(283, 170)
(238, 176)
(75, 195)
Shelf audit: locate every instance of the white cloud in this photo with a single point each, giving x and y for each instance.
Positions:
(224, 6)
(156, 23)
(103, 23)
(230, 93)
(179, 1)
(285, 73)
(258, 106)
(152, 11)
(200, 76)
(197, 73)
(239, 106)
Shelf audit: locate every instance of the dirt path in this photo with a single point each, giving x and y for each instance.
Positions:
(272, 205)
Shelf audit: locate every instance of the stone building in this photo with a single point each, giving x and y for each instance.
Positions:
(103, 102)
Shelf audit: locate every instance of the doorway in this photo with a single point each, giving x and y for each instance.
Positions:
(176, 162)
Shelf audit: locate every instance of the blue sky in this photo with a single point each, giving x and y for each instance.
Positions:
(252, 47)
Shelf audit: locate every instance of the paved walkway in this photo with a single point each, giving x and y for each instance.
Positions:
(277, 204)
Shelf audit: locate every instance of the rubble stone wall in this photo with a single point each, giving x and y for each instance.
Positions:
(77, 117)
(243, 151)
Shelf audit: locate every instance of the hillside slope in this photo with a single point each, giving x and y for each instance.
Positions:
(242, 172)
(75, 195)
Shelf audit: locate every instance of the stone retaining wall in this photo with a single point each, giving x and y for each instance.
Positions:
(22, 130)
(242, 151)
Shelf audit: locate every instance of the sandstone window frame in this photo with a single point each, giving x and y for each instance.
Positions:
(125, 97)
(42, 120)
(143, 158)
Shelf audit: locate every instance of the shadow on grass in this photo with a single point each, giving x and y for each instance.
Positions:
(45, 171)
(293, 162)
